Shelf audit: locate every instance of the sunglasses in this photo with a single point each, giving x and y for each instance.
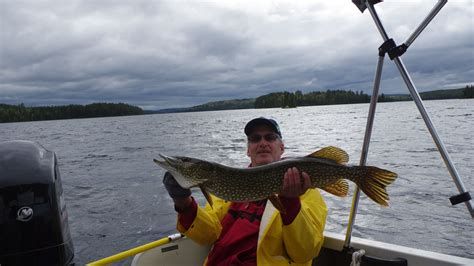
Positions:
(256, 138)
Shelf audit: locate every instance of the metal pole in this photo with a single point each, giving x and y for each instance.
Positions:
(365, 147)
(426, 21)
(439, 143)
(377, 21)
(419, 103)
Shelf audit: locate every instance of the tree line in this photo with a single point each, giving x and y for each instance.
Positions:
(466, 92)
(20, 113)
(289, 99)
(293, 99)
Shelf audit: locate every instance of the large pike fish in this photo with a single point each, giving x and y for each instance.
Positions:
(326, 168)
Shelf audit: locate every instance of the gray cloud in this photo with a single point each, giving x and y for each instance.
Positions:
(160, 54)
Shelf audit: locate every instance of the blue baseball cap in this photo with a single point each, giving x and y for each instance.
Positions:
(252, 124)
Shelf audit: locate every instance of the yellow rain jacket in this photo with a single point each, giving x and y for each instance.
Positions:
(297, 243)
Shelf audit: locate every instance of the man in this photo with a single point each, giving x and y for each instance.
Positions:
(252, 233)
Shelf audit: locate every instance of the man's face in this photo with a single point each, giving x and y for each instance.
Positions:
(266, 150)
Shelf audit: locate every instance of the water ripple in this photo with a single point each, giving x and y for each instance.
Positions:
(116, 200)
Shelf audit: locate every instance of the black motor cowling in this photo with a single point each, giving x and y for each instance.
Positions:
(33, 219)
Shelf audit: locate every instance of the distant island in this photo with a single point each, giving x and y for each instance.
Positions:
(20, 113)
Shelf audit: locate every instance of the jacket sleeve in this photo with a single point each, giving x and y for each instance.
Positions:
(303, 238)
(206, 227)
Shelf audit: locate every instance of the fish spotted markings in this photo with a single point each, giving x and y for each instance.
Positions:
(325, 167)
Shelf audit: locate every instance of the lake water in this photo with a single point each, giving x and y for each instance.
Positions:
(116, 200)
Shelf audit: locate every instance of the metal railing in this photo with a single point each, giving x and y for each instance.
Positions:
(395, 52)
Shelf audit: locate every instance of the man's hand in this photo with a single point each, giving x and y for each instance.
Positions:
(292, 185)
(181, 196)
(174, 189)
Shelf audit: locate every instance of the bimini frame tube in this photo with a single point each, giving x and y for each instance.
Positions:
(395, 53)
(365, 146)
(426, 21)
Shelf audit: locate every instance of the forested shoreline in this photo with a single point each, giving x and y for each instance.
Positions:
(21, 113)
(291, 100)
(294, 99)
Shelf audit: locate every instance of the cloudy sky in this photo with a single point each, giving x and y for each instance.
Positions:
(176, 53)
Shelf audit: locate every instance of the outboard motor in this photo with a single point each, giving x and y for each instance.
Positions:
(33, 219)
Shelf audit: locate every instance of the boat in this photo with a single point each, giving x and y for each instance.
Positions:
(184, 251)
(179, 250)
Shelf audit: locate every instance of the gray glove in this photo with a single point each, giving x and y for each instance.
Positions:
(173, 188)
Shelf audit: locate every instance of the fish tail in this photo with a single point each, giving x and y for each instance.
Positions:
(373, 182)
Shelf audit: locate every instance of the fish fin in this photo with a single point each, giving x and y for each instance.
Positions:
(206, 195)
(373, 183)
(277, 203)
(339, 188)
(332, 153)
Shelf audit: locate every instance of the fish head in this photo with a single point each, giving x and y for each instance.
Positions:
(188, 172)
